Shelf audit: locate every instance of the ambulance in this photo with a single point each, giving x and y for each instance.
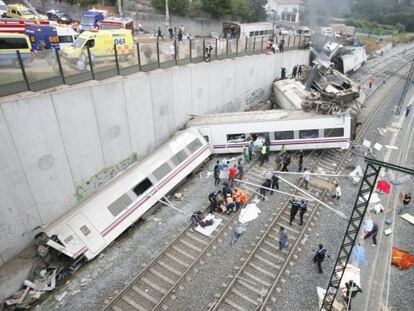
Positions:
(12, 42)
(22, 12)
(101, 44)
(47, 37)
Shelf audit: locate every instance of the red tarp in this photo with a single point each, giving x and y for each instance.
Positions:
(384, 186)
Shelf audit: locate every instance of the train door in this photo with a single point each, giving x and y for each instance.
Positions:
(86, 232)
(206, 133)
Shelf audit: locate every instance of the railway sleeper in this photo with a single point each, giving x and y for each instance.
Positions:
(150, 283)
(132, 303)
(266, 261)
(235, 305)
(149, 293)
(251, 287)
(191, 245)
(239, 293)
(182, 252)
(276, 256)
(252, 277)
(180, 260)
(162, 277)
(266, 272)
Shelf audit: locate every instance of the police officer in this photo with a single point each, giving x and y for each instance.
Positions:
(319, 257)
(302, 210)
(293, 210)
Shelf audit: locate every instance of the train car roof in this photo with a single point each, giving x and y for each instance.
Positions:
(256, 116)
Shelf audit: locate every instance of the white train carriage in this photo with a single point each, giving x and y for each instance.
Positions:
(353, 60)
(296, 129)
(94, 224)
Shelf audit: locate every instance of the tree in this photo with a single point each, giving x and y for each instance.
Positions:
(179, 7)
(217, 8)
(241, 9)
(259, 12)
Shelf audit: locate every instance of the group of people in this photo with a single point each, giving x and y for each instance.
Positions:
(226, 200)
(173, 33)
(272, 46)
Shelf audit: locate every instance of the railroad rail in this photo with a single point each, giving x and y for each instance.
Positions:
(161, 278)
(257, 282)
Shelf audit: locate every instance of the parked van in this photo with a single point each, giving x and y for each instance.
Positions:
(101, 44)
(48, 37)
(12, 42)
(303, 31)
(20, 11)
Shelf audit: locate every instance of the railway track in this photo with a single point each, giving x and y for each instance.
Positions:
(163, 275)
(259, 279)
(159, 281)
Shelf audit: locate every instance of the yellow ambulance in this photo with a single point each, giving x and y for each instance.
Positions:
(20, 11)
(101, 44)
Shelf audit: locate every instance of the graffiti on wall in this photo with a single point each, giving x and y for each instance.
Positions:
(253, 96)
(96, 182)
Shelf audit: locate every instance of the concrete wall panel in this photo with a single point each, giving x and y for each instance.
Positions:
(18, 214)
(200, 88)
(111, 115)
(80, 135)
(36, 134)
(183, 106)
(163, 116)
(139, 108)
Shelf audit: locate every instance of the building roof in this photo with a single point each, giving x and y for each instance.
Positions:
(281, 2)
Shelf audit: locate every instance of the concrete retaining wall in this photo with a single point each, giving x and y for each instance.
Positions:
(58, 147)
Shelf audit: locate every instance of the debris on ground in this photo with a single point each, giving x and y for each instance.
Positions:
(401, 258)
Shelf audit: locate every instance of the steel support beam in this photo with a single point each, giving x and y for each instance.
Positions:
(360, 207)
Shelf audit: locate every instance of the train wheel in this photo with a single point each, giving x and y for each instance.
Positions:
(307, 106)
(324, 108)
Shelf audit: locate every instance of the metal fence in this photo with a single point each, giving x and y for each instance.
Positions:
(49, 68)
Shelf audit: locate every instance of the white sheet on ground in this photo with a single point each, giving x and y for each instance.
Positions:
(249, 213)
(351, 273)
(207, 231)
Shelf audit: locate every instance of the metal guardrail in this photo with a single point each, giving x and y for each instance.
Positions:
(49, 68)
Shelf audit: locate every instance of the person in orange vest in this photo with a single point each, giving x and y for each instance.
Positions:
(371, 80)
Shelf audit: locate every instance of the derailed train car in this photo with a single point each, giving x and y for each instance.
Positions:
(296, 129)
(90, 227)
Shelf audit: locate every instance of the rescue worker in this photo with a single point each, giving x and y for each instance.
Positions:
(160, 34)
(246, 157)
(285, 162)
(300, 160)
(299, 71)
(212, 197)
(293, 210)
(282, 46)
(196, 218)
(371, 80)
(240, 170)
(232, 174)
(217, 170)
(351, 291)
(283, 73)
(250, 147)
(302, 210)
(319, 257)
(226, 189)
(406, 199)
(373, 232)
(275, 182)
(294, 71)
(338, 193)
(306, 178)
(283, 238)
(209, 50)
(263, 154)
(265, 184)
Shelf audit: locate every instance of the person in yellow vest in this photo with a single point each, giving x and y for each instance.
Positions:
(263, 153)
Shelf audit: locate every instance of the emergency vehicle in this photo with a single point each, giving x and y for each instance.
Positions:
(13, 25)
(117, 23)
(90, 18)
(20, 11)
(47, 37)
(101, 44)
(9, 44)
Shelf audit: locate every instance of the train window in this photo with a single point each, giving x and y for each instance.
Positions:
(251, 34)
(334, 132)
(308, 134)
(282, 135)
(68, 239)
(119, 205)
(142, 186)
(261, 32)
(260, 136)
(162, 171)
(179, 158)
(194, 145)
(236, 138)
(85, 230)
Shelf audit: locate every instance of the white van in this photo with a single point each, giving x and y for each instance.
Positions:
(66, 36)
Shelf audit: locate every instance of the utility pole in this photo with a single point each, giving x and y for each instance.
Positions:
(121, 13)
(167, 15)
